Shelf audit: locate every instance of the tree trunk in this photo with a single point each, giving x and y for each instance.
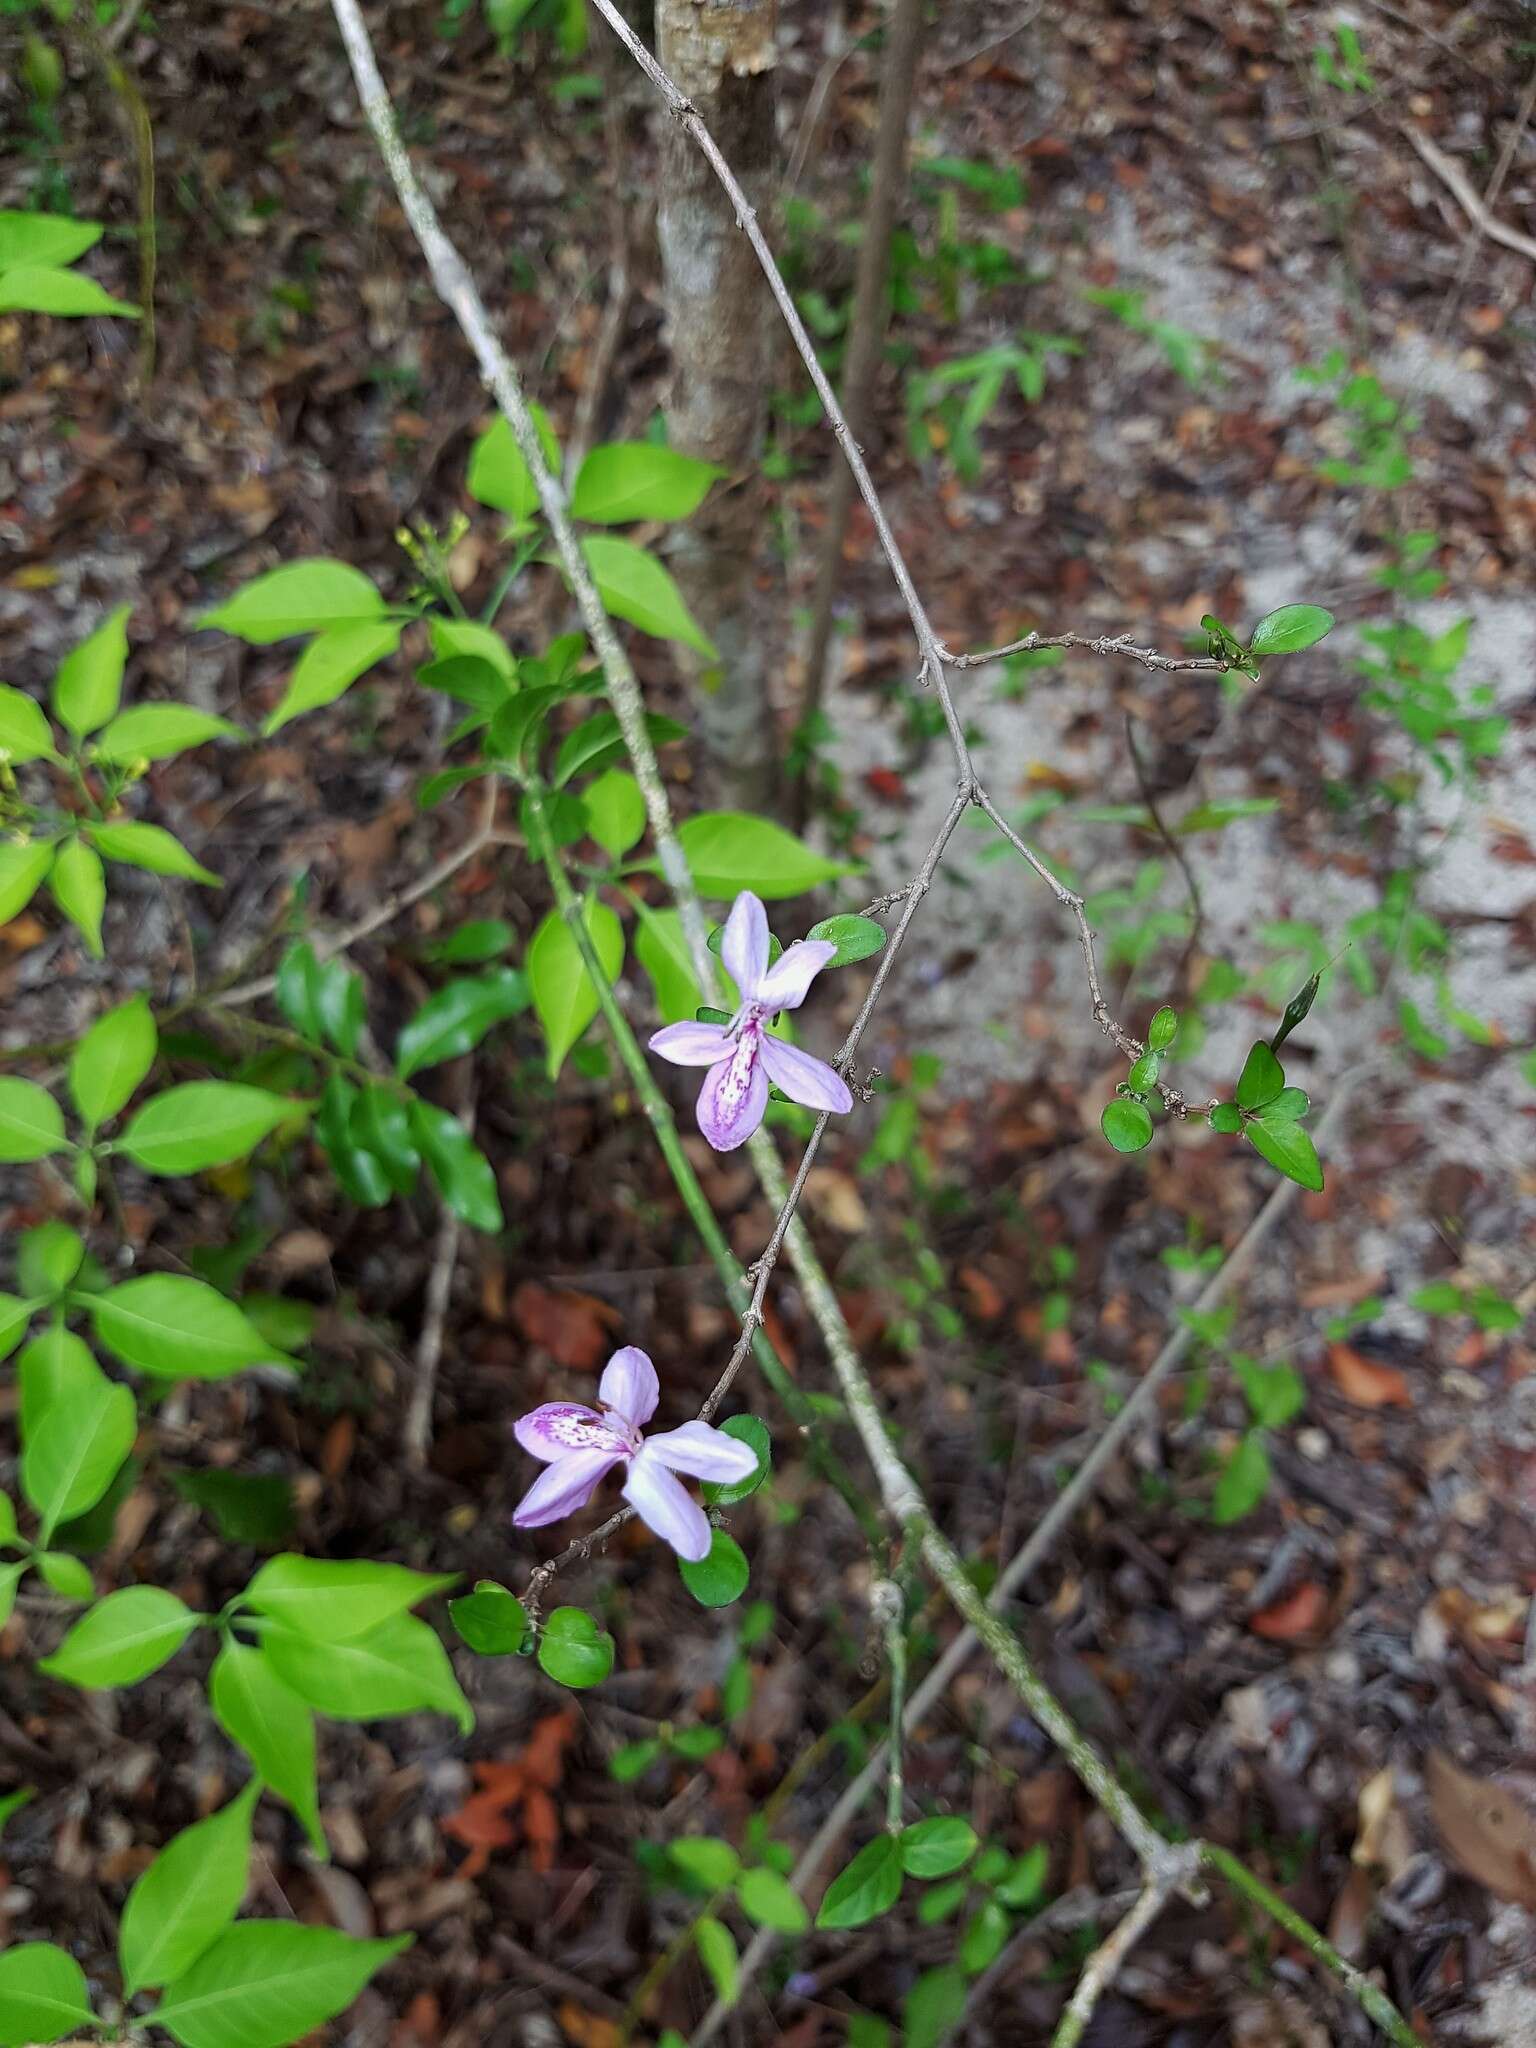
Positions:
(721, 54)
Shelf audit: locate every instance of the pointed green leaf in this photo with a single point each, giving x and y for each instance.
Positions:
(731, 850)
(79, 886)
(31, 1122)
(600, 739)
(1288, 1149)
(122, 1639)
(626, 480)
(1244, 1481)
(717, 1952)
(464, 1176)
(265, 1983)
(498, 475)
(110, 1061)
(90, 677)
(302, 597)
(22, 868)
(719, 1578)
(563, 992)
(662, 951)
(772, 1901)
(867, 1887)
(158, 732)
(177, 1328)
(25, 734)
(1261, 1080)
(747, 1429)
(274, 1727)
(150, 847)
(203, 1123)
(856, 938)
(456, 1018)
(935, 1848)
(65, 1575)
(337, 1600)
(48, 1259)
(52, 238)
(15, 1314)
(615, 811)
(1291, 628)
(187, 1897)
(401, 1668)
(39, 288)
(57, 1368)
(331, 664)
(634, 586)
(43, 1995)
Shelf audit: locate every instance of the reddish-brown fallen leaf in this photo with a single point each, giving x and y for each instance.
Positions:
(1365, 1382)
(586, 2029)
(573, 1328)
(481, 1824)
(1487, 1831)
(985, 1295)
(541, 1825)
(1299, 1614)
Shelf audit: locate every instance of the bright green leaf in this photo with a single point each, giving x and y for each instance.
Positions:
(730, 850)
(274, 1727)
(157, 732)
(150, 847)
(600, 739)
(177, 1328)
(50, 238)
(110, 1061)
(1291, 628)
(1227, 1118)
(717, 1952)
(31, 1122)
(1127, 1125)
(627, 480)
(122, 1639)
(79, 886)
(1261, 1080)
(1023, 1885)
(56, 1367)
(25, 734)
(322, 999)
(65, 1575)
(662, 951)
(38, 288)
(563, 992)
(265, 1983)
(401, 1668)
(72, 1455)
(330, 664)
(706, 1858)
(498, 475)
(1288, 1149)
(747, 1429)
(187, 1897)
(856, 938)
(934, 2007)
(719, 1578)
(573, 1650)
(43, 1995)
(635, 586)
(337, 1600)
(47, 1259)
(937, 1847)
(301, 597)
(983, 1938)
(772, 1902)
(15, 1314)
(90, 677)
(615, 811)
(203, 1123)
(1244, 1481)
(22, 869)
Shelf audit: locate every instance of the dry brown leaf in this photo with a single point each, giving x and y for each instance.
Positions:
(573, 1328)
(586, 2029)
(1383, 1841)
(1364, 1382)
(836, 1199)
(1488, 1832)
(1351, 1915)
(1299, 1614)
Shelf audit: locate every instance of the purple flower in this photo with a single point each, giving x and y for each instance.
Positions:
(741, 1056)
(580, 1444)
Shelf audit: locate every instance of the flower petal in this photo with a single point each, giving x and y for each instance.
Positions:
(734, 1096)
(703, 1452)
(629, 1385)
(788, 980)
(804, 1078)
(563, 1489)
(692, 1045)
(561, 1427)
(663, 1504)
(744, 946)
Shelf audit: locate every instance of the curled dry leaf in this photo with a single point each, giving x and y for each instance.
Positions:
(1487, 1830)
(1383, 1841)
(1365, 1382)
(1299, 1614)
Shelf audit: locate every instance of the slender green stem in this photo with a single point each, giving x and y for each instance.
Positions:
(1370, 1997)
(888, 1605)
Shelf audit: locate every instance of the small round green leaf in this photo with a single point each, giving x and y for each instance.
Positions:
(772, 1901)
(1227, 1118)
(937, 1847)
(720, 1578)
(705, 1857)
(1163, 1029)
(490, 1620)
(573, 1650)
(66, 1575)
(856, 938)
(748, 1430)
(1127, 1125)
(47, 1259)
(1144, 1073)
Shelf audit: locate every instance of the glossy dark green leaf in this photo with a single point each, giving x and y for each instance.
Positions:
(1291, 628)
(856, 938)
(573, 1649)
(1262, 1078)
(246, 1507)
(865, 1888)
(490, 1620)
(748, 1430)
(599, 741)
(1295, 1010)
(936, 1847)
(462, 1172)
(1288, 1149)
(456, 1018)
(1127, 1125)
(719, 1578)
(1227, 1118)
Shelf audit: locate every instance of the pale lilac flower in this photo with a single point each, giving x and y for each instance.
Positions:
(580, 1444)
(742, 1056)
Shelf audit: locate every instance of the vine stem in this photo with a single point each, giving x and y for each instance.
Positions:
(1102, 1967)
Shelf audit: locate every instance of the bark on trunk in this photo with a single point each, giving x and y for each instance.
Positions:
(721, 53)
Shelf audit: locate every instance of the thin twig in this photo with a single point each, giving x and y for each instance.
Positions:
(1451, 174)
(1108, 645)
(417, 1434)
(1103, 1966)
